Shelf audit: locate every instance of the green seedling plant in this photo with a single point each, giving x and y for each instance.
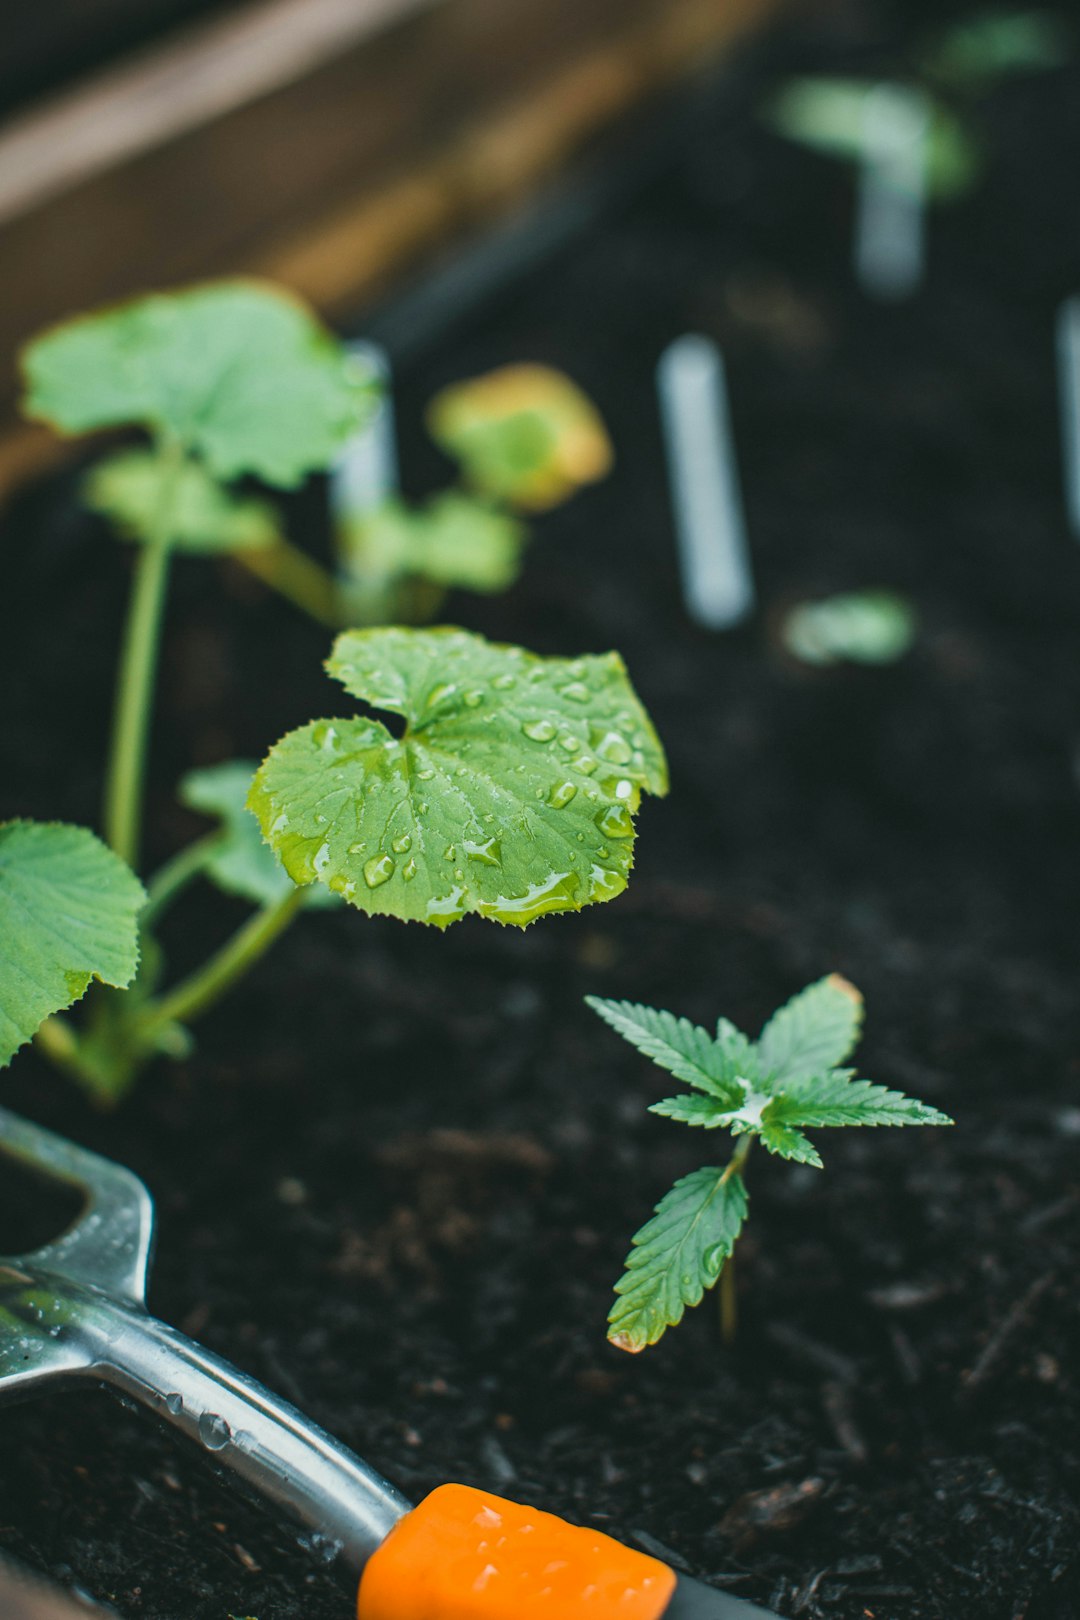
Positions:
(854, 627)
(771, 1090)
(506, 786)
(511, 793)
(525, 439)
(948, 76)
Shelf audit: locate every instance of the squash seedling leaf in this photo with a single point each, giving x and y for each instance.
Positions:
(456, 541)
(68, 914)
(238, 373)
(511, 793)
(126, 489)
(524, 434)
(241, 862)
(770, 1090)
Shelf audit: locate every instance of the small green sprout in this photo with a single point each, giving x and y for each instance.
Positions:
(524, 434)
(950, 72)
(971, 57)
(856, 627)
(68, 915)
(829, 115)
(772, 1089)
(526, 439)
(399, 560)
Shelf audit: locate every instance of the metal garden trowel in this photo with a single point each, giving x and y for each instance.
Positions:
(75, 1309)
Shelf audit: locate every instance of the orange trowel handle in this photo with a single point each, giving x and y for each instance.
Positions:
(467, 1555)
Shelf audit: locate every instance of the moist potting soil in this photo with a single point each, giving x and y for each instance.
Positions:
(397, 1177)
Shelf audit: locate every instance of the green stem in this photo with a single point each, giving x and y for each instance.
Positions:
(138, 666)
(296, 576)
(202, 988)
(59, 1043)
(729, 1300)
(729, 1304)
(176, 874)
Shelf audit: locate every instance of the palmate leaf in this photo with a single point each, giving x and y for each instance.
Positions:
(511, 793)
(241, 863)
(126, 489)
(812, 1033)
(239, 372)
(839, 1099)
(684, 1049)
(68, 914)
(677, 1255)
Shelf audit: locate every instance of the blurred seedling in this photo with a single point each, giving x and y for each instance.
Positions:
(525, 438)
(855, 627)
(772, 1090)
(509, 791)
(916, 140)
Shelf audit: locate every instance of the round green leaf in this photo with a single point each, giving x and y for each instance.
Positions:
(126, 489)
(241, 863)
(511, 793)
(240, 373)
(68, 914)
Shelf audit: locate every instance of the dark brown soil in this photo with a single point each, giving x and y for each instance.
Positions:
(398, 1178)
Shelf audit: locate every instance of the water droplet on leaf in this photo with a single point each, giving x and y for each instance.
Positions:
(615, 822)
(378, 870)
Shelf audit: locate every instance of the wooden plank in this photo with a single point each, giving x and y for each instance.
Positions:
(336, 183)
(164, 91)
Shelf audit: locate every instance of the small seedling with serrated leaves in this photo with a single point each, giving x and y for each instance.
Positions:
(510, 793)
(774, 1089)
(526, 439)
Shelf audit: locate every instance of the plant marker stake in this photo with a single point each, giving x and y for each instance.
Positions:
(75, 1308)
(890, 230)
(1068, 350)
(717, 581)
(366, 472)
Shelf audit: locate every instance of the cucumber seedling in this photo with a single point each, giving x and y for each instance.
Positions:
(510, 793)
(507, 787)
(773, 1089)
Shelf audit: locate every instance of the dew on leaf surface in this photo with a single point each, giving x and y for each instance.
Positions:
(378, 870)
